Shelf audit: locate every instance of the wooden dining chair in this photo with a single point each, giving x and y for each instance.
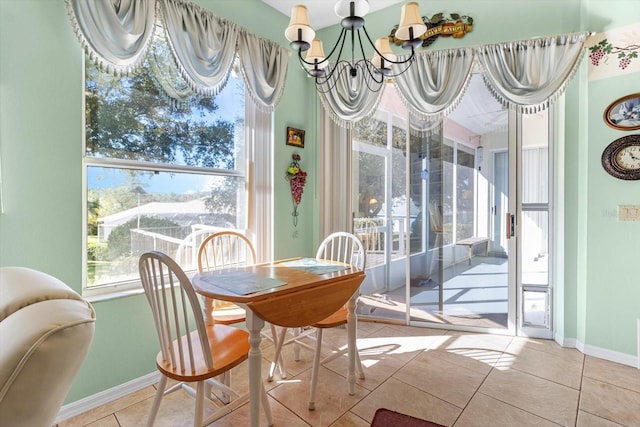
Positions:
(348, 249)
(190, 350)
(224, 249)
(228, 249)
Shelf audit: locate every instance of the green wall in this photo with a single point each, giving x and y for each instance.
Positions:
(40, 148)
(613, 247)
(612, 255)
(40, 142)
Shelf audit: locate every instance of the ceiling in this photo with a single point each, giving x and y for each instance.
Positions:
(321, 14)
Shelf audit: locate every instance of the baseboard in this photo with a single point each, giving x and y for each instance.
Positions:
(601, 353)
(90, 402)
(565, 342)
(613, 356)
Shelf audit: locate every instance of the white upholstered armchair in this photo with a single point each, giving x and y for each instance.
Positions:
(45, 332)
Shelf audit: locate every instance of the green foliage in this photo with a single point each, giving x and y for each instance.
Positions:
(93, 210)
(97, 251)
(119, 241)
(132, 118)
(129, 118)
(223, 200)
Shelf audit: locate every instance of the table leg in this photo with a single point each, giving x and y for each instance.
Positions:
(255, 325)
(351, 342)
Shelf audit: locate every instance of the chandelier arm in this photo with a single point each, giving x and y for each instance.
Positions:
(376, 88)
(301, 59)
(364, 57)
(341, 38)
(368, 65)
(366, 33)
(410, 58)
(328, 80)
(340, 42)
(353, 44)
(407, 64)
(343, 65)
(373, 73)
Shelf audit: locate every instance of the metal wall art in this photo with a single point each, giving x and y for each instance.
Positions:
(438, 25)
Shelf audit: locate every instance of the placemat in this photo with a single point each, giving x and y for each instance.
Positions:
(313, 265)
(241, 282)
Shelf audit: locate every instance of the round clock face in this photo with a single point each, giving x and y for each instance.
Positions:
(621, 158)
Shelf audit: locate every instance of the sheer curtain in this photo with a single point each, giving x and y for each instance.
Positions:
(334, 176)
(116, 35)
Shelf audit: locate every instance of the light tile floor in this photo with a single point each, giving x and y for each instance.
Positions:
(453, 378)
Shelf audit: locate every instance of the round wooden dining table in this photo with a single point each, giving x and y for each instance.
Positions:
(288, 293)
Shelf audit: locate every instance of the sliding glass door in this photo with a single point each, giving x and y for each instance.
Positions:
(455, 216)
(381, 207)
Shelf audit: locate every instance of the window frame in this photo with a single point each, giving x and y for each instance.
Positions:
(257, 128)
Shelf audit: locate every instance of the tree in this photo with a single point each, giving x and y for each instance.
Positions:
(129, 118)
(132, 118)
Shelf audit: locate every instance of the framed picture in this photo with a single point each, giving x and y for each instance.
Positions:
(624, 113)
(295, 137)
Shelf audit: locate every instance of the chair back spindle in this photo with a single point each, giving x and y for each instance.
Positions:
(225, 249)
(176, 312)
(343, 247)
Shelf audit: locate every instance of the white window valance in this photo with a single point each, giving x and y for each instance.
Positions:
(349, 99)
(116, 35)
(527, 75)
(434, 84)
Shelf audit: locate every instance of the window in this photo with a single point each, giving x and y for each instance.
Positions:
(159, 174)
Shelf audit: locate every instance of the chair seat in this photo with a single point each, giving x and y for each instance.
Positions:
(336, 319)
(228, 314)
(231, 348)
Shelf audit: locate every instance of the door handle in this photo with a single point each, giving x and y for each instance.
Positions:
(511, 225)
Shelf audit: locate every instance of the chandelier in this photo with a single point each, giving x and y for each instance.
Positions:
(327, 70)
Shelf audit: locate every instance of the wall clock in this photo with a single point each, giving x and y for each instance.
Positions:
(621, 158)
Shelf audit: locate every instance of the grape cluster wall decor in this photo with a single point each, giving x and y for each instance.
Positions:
(297, 178)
